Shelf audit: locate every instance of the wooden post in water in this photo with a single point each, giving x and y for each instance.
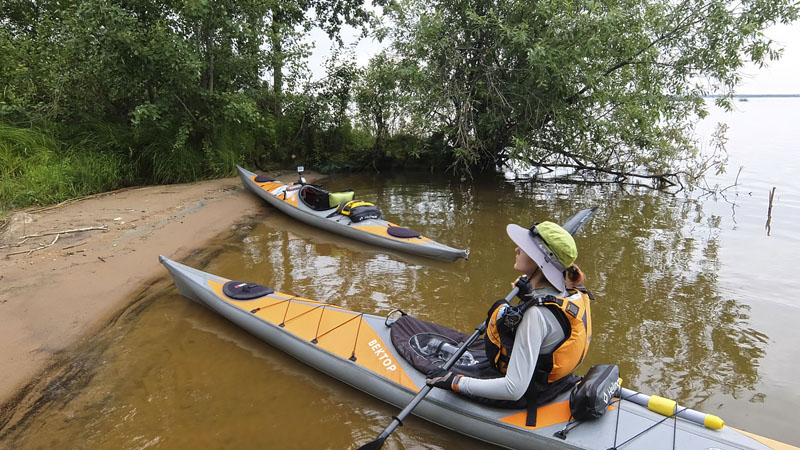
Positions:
(769, 211)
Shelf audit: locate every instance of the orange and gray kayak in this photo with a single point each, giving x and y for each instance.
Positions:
(358, 349)
(302, 202)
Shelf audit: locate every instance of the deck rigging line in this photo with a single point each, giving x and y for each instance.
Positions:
(319, 323)
(358, 331)
(674, 416)
(253, 311)
(301, 314)
(288, 302)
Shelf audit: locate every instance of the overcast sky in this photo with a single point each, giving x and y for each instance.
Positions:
(781, 77)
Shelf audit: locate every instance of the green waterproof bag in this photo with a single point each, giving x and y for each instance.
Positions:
(337, 198)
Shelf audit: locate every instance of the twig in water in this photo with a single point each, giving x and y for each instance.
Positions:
(768, 226)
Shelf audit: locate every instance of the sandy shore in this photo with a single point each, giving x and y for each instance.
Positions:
(59, 285)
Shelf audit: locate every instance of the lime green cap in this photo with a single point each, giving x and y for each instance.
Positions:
(559, 241)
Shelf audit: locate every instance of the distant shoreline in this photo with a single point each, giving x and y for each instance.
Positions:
(756, 96)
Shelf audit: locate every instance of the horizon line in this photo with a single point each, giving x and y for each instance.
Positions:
(752, 95)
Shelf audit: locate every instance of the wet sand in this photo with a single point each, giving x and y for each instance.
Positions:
(60, 285)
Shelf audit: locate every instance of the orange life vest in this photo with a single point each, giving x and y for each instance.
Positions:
(573, 313)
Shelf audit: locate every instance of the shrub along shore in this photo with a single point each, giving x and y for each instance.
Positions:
(97, 95)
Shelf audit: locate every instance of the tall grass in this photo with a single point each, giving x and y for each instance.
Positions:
(48, 163)
(36, 168)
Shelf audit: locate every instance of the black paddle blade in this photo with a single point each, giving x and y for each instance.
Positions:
(578, 220)
(374, 445)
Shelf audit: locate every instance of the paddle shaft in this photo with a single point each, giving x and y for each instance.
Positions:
(398, 420)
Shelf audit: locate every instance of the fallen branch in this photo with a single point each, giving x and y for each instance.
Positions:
(668, 179)
(35, 249)
(79, 199)
(14, 245)
(76, 230)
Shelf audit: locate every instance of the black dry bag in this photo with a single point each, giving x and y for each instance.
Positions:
(364, 212)
(590, 398)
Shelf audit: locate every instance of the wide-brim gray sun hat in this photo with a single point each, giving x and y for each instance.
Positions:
(551, 247)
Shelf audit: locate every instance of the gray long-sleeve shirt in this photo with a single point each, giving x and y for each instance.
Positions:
(538, 332)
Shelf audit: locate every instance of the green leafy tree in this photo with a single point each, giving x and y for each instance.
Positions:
(317, 125)
(177, 81)
(178, 85)
(607, 86)
(289, 16)
(378, 96)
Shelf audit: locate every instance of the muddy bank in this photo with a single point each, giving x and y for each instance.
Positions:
(68, 269)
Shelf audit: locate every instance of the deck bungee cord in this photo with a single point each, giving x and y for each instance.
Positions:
(317, 335)
(641, 433)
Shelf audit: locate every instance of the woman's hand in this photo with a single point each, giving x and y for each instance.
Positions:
(443, 379)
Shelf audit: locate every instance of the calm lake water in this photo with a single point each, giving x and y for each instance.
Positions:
(696, 301)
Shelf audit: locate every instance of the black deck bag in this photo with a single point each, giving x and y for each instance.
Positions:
(364, 212)
(590, 398)
(316, 198)
(427, 345)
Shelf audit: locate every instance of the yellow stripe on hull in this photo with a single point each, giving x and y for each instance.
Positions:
(771, 443)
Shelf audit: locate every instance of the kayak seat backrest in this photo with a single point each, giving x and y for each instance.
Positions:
(316, 198)
(240, 290)
(339, 197)
(263, 179)
(400, 232)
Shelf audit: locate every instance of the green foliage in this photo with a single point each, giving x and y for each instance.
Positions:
(317, 130)
(36, 169)
(609, 85)
(100, 94)
(159, 92)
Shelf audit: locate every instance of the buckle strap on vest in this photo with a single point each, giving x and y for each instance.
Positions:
(548, 299)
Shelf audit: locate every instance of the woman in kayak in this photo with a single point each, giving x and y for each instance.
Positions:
(548, 341)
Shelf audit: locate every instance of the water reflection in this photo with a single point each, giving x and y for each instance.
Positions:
(176, 375)
(660, 312)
